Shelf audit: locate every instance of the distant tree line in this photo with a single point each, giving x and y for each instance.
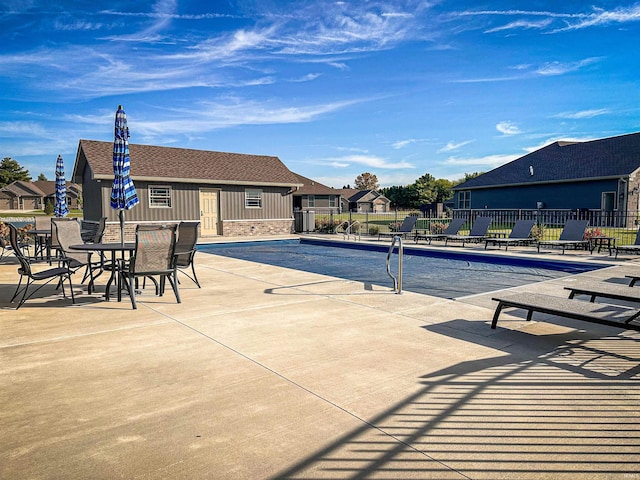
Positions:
(425, 190)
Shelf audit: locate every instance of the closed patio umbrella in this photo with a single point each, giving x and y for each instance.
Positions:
(60, 208)
(123, 192)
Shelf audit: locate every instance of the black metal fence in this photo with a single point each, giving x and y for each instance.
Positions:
(621, 225)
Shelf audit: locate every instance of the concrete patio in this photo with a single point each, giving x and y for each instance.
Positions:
(273, 373)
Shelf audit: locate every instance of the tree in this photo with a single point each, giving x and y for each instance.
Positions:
(10, 171)
(42, 177)
(468, 176)
(366, 181)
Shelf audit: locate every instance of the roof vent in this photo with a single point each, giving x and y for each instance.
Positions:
(531, 170)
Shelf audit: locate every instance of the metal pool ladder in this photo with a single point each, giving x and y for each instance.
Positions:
(397, 282)
(349, 230)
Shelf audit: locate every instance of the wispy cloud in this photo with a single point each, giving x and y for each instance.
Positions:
(403, 143)
(560, 68)
(508, 128)
(555, 22)
(371, 161)
(449, 147)
(582, 114)
(491, 161)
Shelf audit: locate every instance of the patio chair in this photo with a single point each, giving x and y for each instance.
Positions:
(67, 233)
(572, 235)
(6, 247)
(569, 308)
(477, 234)
(92, 231)
(452, 229)
(406, 228)
(520, 235)
(61, 273)
(154, 255)
(186, 249)
(633, 248)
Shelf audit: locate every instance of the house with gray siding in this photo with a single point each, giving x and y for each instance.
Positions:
(315, 196)
(599, 175)
(232, 194)
(23, 195)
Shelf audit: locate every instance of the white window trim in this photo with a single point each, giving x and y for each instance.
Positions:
(247, 198)
(170, 191)
(311, 201)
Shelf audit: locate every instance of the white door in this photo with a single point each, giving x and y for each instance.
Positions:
(209, 212)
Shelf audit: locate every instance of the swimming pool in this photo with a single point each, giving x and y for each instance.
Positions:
(441, 274)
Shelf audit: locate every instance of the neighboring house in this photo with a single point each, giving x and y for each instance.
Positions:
(22, 195)
(363, 201)
(231, 194)
(316, 196)
(600, 175)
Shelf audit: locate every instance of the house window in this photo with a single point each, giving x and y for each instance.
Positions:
(252, 198)
(160, 197)
(332, 201)
(464, 199)
(312, 201)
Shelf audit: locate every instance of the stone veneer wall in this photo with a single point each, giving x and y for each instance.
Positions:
(230, 228)
(254, 228)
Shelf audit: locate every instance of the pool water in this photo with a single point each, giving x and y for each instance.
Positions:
(453, 276)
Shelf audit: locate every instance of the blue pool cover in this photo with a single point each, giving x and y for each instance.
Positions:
(428, 272)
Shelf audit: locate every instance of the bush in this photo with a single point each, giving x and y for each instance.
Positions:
(537, 232)
(48, 208)
(374, 230)
(437, 227)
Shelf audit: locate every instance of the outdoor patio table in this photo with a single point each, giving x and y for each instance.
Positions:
(42, 244)
(602, 241)
(114, 248)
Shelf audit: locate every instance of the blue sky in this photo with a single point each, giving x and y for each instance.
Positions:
(333, 88)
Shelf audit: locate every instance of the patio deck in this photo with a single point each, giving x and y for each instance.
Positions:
(272, 373)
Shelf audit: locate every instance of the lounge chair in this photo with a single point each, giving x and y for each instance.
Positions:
(600, 313)
(406, 228)
(520, 235)
(477, 234)
(25, 271)
(634, 248)
(572, 236)
(452, 229)
(596, 289)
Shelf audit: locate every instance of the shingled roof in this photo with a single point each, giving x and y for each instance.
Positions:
(154, 163)
(566, 161)
(311, 187)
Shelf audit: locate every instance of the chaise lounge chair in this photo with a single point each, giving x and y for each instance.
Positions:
(477, 234)
(572, 236)
(520, 235)
(635, 248)
(452, 229)
(596, 289)
(600, 313)
(406, 228)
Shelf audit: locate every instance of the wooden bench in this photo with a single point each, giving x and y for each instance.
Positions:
(565, 307)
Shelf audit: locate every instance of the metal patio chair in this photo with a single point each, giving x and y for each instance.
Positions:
(153, 256)
(67, 233)
(186, 248)
(61, 273)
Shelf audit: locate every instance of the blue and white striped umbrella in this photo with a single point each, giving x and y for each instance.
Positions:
(60, 209)
(123, 192)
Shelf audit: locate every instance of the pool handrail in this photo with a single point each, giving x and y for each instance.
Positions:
(397, 282)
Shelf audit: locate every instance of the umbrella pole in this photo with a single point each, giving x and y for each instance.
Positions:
(122, 227)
